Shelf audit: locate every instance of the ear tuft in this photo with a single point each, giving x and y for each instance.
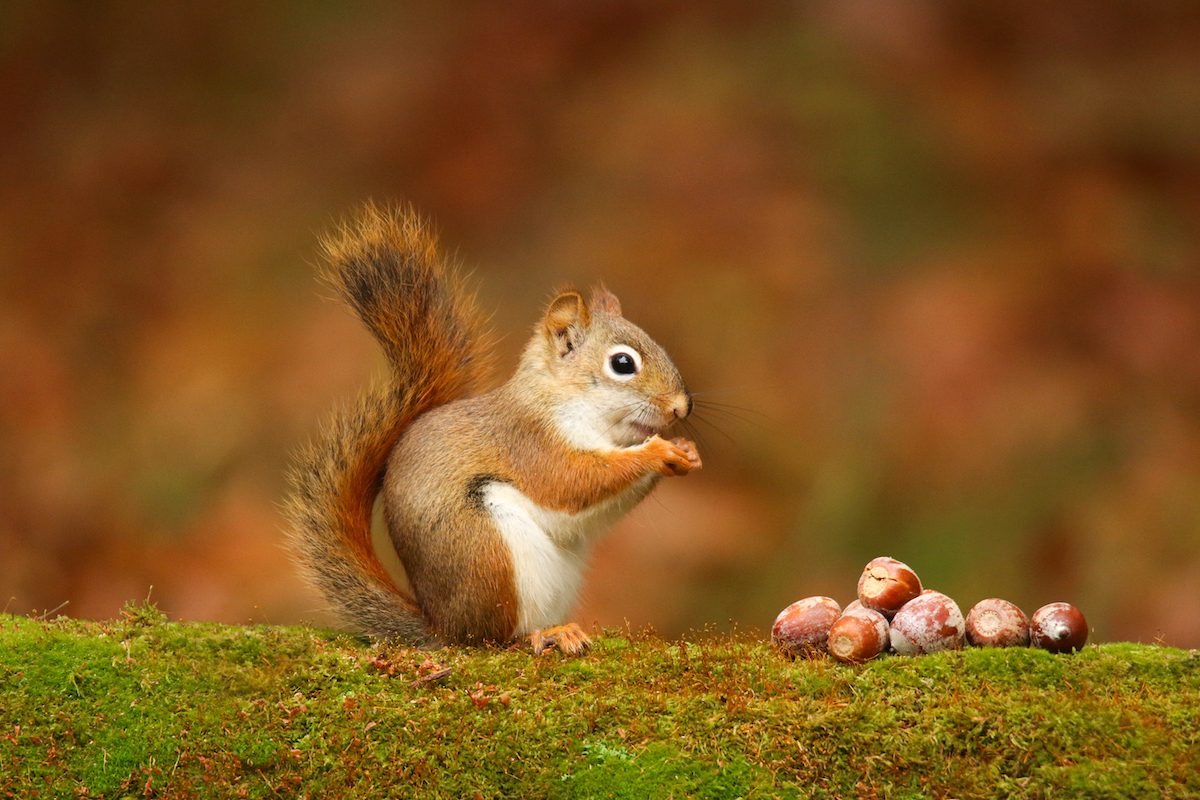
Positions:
(566, 322)
(605, 301)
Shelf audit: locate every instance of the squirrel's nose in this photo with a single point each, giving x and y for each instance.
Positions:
(682, 405)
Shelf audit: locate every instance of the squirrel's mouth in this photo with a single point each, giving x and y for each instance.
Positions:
(643, 430)
(639, 426)
(640, 429)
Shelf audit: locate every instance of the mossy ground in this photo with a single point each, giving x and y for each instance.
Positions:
(144, 707)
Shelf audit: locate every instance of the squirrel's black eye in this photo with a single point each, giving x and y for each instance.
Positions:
(622, 363)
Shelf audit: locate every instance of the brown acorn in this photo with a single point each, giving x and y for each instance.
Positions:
(887, 584)
(802, 629)
(928, 623)
(1058, 627)
(858, 635)
(997, 623)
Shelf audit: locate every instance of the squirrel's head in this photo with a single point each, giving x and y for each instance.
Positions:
(611, 385)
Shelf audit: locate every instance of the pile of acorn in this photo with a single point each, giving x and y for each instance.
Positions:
(893, 610)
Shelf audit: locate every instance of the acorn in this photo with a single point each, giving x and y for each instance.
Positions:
(997, 623)
(854, 607)
(1058, 627)
(802, 629)
(887, 584)
(858, 635)
(928, 623)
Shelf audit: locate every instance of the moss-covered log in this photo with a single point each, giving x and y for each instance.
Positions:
(144, 707)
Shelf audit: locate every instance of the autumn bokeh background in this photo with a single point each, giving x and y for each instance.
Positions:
(939, 263)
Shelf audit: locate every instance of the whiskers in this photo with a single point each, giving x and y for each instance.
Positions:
(718, 417)
(708, 418)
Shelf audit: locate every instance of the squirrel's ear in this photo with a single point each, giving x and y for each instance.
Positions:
(566, 321)
(606, 301)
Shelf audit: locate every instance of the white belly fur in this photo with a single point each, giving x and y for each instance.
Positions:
(549, 548)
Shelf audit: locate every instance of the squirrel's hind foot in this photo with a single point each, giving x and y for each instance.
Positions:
(569, 638)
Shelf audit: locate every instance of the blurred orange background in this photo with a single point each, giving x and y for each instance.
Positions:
(939, 262)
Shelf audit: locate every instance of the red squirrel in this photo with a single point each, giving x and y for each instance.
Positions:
(494, 499)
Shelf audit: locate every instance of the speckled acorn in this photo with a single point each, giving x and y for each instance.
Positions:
(802, 629)
(928, 623)
(858, 635)
(887, 584)
(1058, 627)
(997, 623)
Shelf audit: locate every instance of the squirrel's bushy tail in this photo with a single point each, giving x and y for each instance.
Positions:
(385, 265)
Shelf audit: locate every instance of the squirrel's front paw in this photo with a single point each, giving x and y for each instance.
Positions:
(692, 453)
(679, 456)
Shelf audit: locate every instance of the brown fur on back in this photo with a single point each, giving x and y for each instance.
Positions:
(458, 563)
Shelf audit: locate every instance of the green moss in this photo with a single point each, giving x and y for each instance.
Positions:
(658, 770)
(142, 706)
